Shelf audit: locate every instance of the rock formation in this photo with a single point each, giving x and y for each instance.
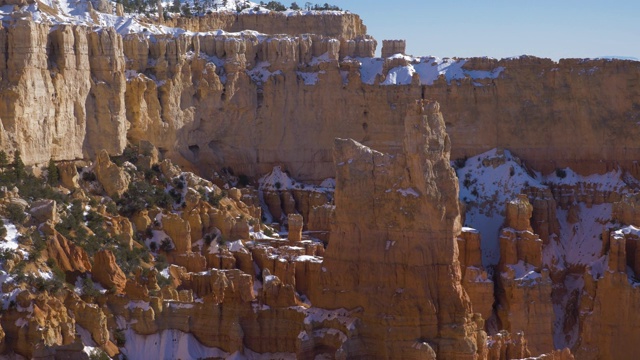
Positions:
(107, 272)
(524, 288)
(398, 242)
(113, 179)
(258, 112)
(224, 81)
(611, 299)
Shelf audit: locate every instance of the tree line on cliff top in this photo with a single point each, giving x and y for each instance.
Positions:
(202, 7)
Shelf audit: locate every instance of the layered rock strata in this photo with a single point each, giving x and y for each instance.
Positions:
(398, 242)
(198, 97)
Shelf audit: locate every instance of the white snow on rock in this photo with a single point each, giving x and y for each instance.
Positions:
(310, 78)
(408, 192)
(370, 68)
(573, 285)
(11, 238)
(611, 181)
(314, 316)
(278, 179)
(524, 271)
(487, 182)
(308, 258)
(429, 69)
(90, 347)
(168, 344)
(158, 237)
(581, 242)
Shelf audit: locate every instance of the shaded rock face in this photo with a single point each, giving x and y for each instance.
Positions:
(63, 91)
(107, 272)
(524, 287)
(611, 299)
(397, 217)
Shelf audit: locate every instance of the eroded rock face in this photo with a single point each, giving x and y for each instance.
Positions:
(295, 227)
(68, 175)
(394, 236)
(63, 92)
(67, 255)
(524, 287)
(475, 279)
(107, 272)
(611, 299)
(193, 97)
(48, 325)
(347, 26)
(113, 179)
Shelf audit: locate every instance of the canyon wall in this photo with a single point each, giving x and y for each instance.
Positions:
(201, 98)
(578, 113)
(62, 91)
(334, 24)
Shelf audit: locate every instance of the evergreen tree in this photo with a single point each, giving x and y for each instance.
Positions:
(275, 6)
(186, 10)
(295, 6)
(18, 166)
(175, 6)
(53, 175)
(197, 7)
(4, 160)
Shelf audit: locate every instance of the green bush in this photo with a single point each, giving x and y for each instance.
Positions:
(98, 354)
(166, 245)
(141, 195)
(88, 288)
(15, 213)
(214, 200)
(53, 175)
(274, 5)
(89, 176)
(3, 230)
(162, 281)
(119, 337)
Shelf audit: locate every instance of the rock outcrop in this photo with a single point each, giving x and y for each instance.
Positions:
(524, 287)
(66, 255)
(107, 272)
(611, 299)
(225, 82)
(339, 25)
(63, 91)
(397, 218)
(113, 179)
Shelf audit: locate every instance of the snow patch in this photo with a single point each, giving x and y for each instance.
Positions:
(168, 344)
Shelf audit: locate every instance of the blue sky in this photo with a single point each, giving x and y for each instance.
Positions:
(555, 29)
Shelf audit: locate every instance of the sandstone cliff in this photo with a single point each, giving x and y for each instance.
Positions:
(398, 242)
(333, 24)
(199, 97)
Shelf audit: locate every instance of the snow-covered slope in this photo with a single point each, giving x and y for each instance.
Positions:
(428, 69)
(487, 182)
